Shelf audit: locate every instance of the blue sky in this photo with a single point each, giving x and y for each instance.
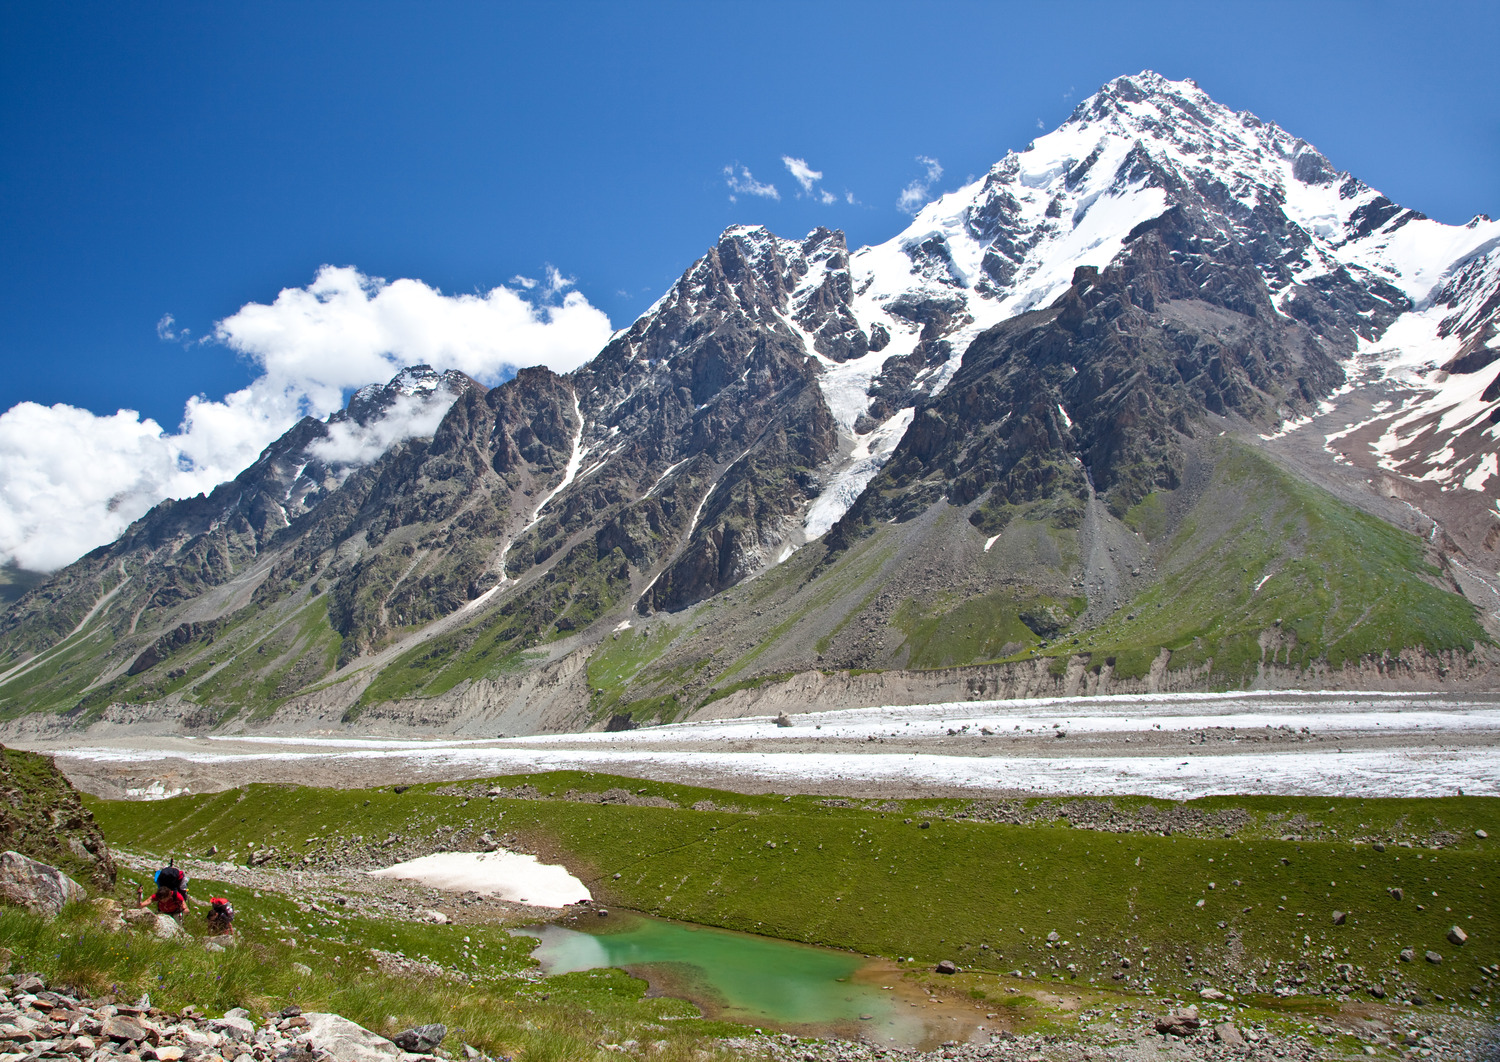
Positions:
(187, 160)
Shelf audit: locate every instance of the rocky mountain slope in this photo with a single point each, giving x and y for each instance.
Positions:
(43, 817)
(1162, 401)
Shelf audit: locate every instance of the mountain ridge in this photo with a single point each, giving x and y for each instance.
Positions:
(1043, 357)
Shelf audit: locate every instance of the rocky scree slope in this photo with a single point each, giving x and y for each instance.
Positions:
(1010, 416)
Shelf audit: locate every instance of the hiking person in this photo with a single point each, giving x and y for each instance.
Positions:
(220, 916)
(170, 896)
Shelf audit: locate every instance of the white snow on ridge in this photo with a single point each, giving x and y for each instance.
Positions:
(871, 452)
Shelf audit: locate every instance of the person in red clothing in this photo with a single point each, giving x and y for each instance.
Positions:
(169, 901)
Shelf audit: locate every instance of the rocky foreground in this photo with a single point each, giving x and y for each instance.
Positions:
(37, 1022)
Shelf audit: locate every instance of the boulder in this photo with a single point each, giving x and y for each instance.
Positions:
(1228, 1035)
(946, 967)
(347, 1042)
(1457, 936)
(111, 914)
(1340, 917)
(43, 889)
(421, 1040)
(158, 925)
(1434, 958)
(1179, 1022)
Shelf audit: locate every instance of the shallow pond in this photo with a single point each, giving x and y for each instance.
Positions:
(761, 980)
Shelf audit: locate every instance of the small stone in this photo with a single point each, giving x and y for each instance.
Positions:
(235, 1027)
(292, 1011)
(1480, 834)
(1408, 955)
(1397, 894)
(422, 1039)
(1339, 917)
(1434, 958)
(946, 967)
(1210, 993)
(1053, 936)
(84, 1045)
(1378, 991)
(122, 1029)
(602, 912)
(169, 1054)
(1457, 936)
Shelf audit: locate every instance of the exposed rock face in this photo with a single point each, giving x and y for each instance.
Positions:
(1052, 344)
(44, 889)
(43, 817)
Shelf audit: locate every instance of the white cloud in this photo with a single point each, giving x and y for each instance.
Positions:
(410, 416)
(741, 182)
(806, 176)
(916, 194)
(71, 480)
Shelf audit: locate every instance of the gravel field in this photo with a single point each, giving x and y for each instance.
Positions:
(1175, 746)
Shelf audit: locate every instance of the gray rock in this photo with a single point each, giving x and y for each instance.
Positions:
(1340, 917)
(423, 1039)
(1434, 958)
(1228, 1035)
(347, 1042)
(1397, 894)
(946, 967)
(1408, 955)
(1457, 936)
(234, 1026)
(37, 886)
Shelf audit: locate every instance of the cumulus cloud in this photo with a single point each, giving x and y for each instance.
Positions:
(806, 176)
(71, 480)
(916, 194)
(742, 182)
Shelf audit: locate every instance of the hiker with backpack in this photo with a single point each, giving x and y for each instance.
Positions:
(220, 916)
(170, 896)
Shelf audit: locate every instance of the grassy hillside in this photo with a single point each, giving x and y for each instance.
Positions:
(1239, 894)
(1265, 568)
